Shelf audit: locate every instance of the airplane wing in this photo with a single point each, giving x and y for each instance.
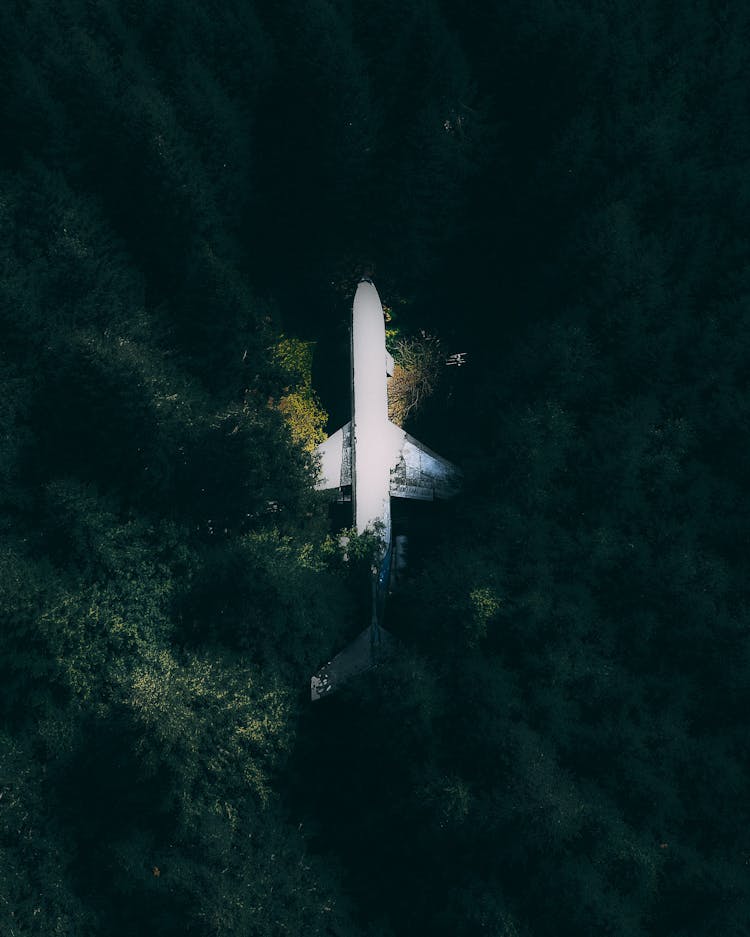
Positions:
(418, 472)
(335, 459)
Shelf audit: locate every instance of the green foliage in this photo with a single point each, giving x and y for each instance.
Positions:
(273, 598)
(418, 363)
(187, 193)
(299, 404)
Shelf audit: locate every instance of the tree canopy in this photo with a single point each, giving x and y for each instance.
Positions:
(188, 194)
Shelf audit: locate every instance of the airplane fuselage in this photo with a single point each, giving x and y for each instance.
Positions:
(372, 441)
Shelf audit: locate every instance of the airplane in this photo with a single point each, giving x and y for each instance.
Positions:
(380, 461)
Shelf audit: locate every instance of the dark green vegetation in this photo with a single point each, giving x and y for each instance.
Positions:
(560, 189)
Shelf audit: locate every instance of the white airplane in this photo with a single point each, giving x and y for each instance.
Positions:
(379, 461)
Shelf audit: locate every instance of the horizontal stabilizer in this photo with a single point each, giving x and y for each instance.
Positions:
(366, 651)
(420, 473)
(335, 459)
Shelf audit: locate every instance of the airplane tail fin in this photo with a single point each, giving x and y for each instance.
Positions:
(368, 648)
(366, 651)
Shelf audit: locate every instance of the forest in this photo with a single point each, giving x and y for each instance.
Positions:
(189, 193)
